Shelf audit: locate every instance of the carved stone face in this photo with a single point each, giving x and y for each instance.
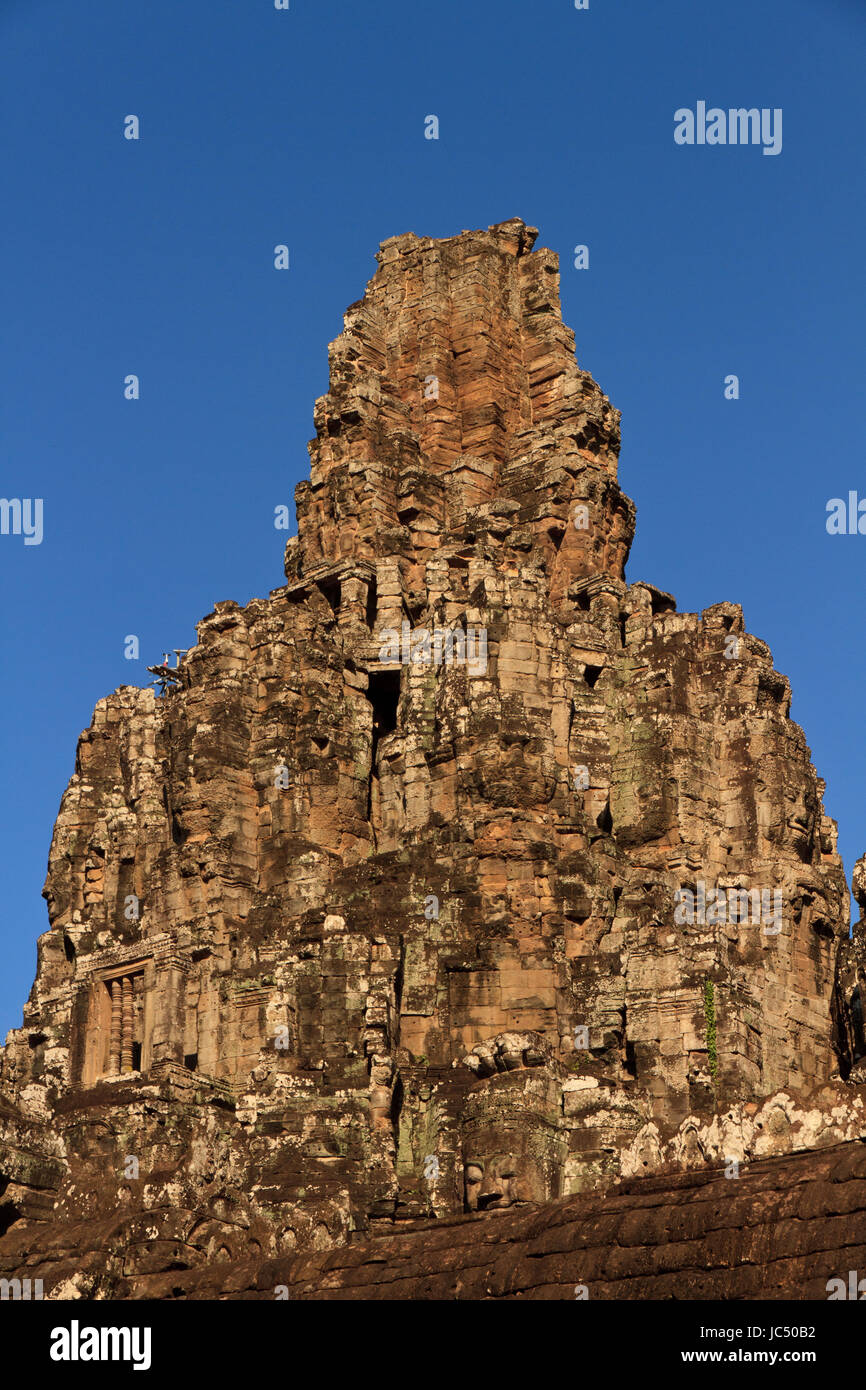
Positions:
(494, 1182)
(512, 1148)
(473, 1176)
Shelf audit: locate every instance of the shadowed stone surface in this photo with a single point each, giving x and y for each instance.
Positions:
(781, 1230)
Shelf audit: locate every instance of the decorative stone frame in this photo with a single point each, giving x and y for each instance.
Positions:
(119, 1021)
(159, 1027)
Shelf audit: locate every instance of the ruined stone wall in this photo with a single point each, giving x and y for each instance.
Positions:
(789, 1228)
(406, 936)
(783, 1228)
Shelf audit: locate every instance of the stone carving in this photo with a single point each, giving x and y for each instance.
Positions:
(507, 1052)
(494, 1182)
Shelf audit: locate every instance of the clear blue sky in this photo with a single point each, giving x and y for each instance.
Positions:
(307, 127)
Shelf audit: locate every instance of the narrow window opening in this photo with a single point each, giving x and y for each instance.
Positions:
(591, 675)
(629, 1064)
(384, 696)
(190, 1061)
(126, 874)
(371, 605)
(331, 591)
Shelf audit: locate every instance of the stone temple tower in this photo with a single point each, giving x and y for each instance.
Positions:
(374, 917)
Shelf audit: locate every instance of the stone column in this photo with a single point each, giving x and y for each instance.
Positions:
(353, 601)
(168, 1011)
(114, 1036)
(126, 1034)
(389, 594)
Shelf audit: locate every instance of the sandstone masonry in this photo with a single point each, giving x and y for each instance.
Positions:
(338, 942)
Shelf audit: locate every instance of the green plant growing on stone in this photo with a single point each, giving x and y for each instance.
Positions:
(710, 1015)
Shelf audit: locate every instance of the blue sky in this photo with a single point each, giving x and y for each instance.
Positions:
(306, 127)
